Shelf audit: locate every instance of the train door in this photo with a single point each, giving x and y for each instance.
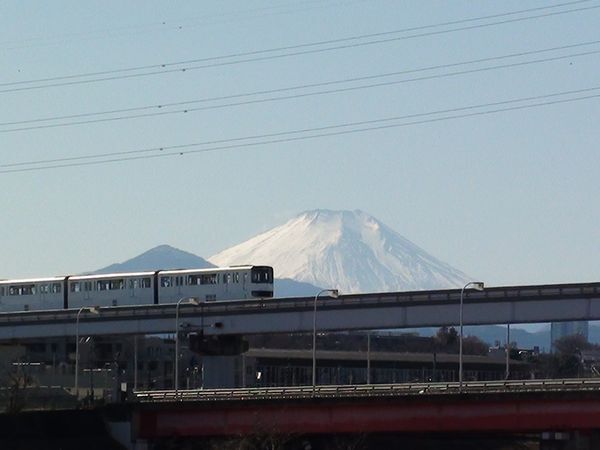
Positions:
(226, 285)
(132, 284)
(42, 290)
(245, 283)
(239, 293)
(43, 295)
(179, 285)
(87, 290)
(46, 296)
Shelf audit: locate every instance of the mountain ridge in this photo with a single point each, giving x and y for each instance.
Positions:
(161, 257)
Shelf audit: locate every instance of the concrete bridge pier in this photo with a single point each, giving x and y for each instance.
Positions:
(576, 440)
(219, 372)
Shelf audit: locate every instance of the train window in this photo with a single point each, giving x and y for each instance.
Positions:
(262, 275)
(44, 288)
(210, 278)
(116, 284)
(102, 285)
(166, 282)
(193, 280)
(145, 283)
(28, 289)
(75, 286)
(237, 277)
(178, 281)
(87, 286)
(226, 278)
(56, 288)
(2, 291)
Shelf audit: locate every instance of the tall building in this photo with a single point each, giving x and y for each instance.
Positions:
(561, 329)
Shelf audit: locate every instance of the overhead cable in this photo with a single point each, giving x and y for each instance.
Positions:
(300, 134)
(111, 75)
(162, 107)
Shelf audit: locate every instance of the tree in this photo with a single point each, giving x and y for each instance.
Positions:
(13, 378)
(446, 337)
(567, 356)
(472, 345)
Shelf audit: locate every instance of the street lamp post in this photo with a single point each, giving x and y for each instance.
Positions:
(478, 286)
(135, 362)
(190, 301)
(93, 310)
(332, 293)
(369, 357)
(507, 374)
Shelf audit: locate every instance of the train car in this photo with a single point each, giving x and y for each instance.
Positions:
(116, 289)
(136, 288)
(223, 283)
(32, 294)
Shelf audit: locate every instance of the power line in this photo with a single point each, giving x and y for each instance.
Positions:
(295, 96)
(299, 134)
(111, 75)
(173, 24)
(169, 25)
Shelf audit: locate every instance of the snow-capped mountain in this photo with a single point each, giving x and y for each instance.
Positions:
(348, 250)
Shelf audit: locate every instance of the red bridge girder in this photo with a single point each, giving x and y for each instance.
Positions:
(427, 413)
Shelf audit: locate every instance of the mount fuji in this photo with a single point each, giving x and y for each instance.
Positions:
(348, 250)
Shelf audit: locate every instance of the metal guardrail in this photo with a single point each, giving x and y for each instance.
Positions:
(370, 390)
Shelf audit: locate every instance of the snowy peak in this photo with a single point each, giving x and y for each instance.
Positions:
(348, 250)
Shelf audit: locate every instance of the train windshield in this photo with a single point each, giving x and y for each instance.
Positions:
(262, 275)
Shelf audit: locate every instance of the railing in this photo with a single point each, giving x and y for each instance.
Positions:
(370, 390)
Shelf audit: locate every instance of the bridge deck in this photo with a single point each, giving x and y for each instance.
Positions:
(417, 408)
(370, 390)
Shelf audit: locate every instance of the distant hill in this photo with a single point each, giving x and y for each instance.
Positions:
(161, 257)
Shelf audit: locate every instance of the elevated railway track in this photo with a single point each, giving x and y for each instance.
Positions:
(495, 305)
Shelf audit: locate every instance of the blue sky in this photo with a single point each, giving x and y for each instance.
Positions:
(508, 197)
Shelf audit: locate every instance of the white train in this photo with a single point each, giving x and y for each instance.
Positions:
(140, 288)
